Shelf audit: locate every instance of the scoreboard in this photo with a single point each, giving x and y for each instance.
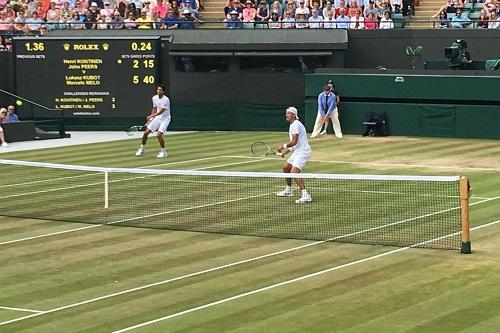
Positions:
(88, 77)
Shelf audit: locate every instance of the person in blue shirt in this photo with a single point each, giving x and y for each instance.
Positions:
(327, 109)
(234, 21)
(188, 21)
(460, 21)
(171, 21)
(11, 115)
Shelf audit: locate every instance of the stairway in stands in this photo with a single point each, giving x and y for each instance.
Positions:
(213, 14)
(423, 12)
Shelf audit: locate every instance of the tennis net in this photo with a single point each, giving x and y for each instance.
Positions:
(420, 211)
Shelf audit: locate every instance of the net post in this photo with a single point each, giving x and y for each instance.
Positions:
(464, 186)
(106, 189)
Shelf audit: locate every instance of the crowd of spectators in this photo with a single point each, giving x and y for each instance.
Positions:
(459, 15)
(7, 115)
(313, 14)
(40, 16)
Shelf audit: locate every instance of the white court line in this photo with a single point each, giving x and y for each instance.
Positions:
(204, 272)
(403, 165)
(19, 309)
(300, 278)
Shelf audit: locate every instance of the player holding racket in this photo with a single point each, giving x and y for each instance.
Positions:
(299, 145)
(157, 121)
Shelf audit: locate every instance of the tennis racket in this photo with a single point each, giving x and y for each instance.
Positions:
(132, 130)
(262, 149)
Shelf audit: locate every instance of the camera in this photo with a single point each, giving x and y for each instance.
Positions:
(457, 54)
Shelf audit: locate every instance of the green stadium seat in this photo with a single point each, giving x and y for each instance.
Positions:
(478, 6)
(474, 15)
(398, 20)
(468, 6)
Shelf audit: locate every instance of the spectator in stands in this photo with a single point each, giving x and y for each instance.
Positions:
(386, 21)
(494, 22)
(315, 21)
(290, 8)
(342, 20)
(117, 22)
(482, 22)
(329, 21)
(328, 8)
(98, 3)
(249, 13)
(171, 21)
(451, 6)
(234, 21)
(370, 9)
(342, 5)
(79, 8)
(384, 7)
(144, 22)
(274, 22)
(162, 8)
(131, 8)
(353, 8)
(301, 21)
(88, 22)
(3, 114)
(490, 5)
(316, 7)
(53, 17)
(34, 22)
(187, 21)
(11, 115)
(276, 7)
(442, 21)
(262, 15)
(358, 21)
(94, 12)
(102, 23)
(130, 21)
(371, 22)
(233, 5)
(288, 22)
(107, 10)
(74, 22)
(302, 9)
(460, 21)
(396, 5)
(20, 21)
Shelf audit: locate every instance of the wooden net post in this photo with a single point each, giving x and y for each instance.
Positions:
(464, 214)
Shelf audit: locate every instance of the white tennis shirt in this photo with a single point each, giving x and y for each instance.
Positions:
(162, 103)
(302, 146)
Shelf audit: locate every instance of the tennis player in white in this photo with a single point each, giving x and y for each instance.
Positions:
(299, 145)
(157, 121)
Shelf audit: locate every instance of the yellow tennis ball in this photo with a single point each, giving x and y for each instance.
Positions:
(19, 102)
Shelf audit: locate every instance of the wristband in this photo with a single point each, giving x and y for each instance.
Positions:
(285, 146)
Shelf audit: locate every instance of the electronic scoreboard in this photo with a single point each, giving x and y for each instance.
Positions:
(88, 77)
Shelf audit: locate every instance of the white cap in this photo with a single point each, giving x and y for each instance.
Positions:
(186, 11)
(293, 110)
(93, 4)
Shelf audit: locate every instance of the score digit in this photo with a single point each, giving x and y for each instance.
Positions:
(141, 46)
(35, 47)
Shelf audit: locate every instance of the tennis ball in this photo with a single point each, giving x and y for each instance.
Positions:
(19, 102)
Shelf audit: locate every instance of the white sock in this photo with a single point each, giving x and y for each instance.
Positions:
(288, 188)
(163, 150)
(142, 146)
(304, 193)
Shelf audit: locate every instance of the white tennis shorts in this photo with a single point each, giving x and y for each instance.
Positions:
(159, 125)
(299, 160)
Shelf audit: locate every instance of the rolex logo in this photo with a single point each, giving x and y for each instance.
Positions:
(105, 46)
(66, 47)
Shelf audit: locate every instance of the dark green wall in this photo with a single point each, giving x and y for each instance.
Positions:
(423, 105)
(6, 79)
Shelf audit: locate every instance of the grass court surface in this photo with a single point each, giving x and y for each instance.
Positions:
(77, 277)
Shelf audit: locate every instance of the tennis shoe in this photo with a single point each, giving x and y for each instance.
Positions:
(5, 144)
(162, 154)
(323, 132)
(304, 199)
(285, 193)
(140, 152)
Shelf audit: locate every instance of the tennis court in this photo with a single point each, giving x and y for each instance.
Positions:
(66, 268)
